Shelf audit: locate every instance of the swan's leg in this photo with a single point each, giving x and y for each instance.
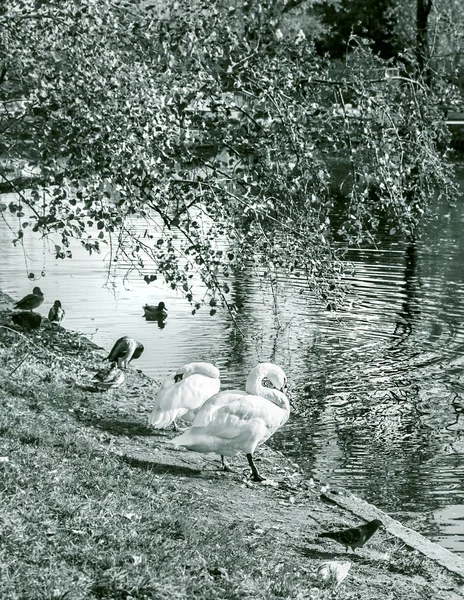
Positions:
(225, 466)
(175, 426)
(254, 471)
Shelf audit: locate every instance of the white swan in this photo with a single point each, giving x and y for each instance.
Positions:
(183, 393)
(238, 421)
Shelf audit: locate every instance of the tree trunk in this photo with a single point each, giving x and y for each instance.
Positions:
(422, 39)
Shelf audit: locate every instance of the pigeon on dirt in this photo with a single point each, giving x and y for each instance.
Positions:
(30, 301)
(355, 537)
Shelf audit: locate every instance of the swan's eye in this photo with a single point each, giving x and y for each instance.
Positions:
(267, 383)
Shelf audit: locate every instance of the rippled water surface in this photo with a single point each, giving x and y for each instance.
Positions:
(377, 388)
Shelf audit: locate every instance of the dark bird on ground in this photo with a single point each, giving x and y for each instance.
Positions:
(108, 378)
(155, 312)
(124, 350)
(27, 320)
(56, 313)
(30, 301)
(355, 537)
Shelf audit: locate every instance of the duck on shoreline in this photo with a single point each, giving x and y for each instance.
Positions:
(108, 378)
(30, 301)
(27, 320)
(124, 350)
(56, 314)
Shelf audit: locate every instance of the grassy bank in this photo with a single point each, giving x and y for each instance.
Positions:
(95, 505)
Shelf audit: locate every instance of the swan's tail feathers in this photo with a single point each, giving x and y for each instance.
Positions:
(184, 439)
(195, 439)
(161, 419)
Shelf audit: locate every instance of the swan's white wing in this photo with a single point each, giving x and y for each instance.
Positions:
(175, 399)
(238, 426)
(206, 411)
(200, 367)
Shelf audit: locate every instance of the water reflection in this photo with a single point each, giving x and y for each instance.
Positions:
(410, 309)
(377, 389)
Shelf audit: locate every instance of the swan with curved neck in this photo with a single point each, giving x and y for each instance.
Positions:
(238, 421)
(183, 393)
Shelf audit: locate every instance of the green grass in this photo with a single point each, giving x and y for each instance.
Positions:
(93, 507)
(80, 521)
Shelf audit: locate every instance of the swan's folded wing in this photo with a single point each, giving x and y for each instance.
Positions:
(175, 399)
(214, 403)
(189, 393)
(244, 412)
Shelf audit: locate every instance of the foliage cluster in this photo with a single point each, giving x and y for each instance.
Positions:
(208, 123)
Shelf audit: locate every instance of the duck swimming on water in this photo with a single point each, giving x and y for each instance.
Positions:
(155, 312)
(31, 301)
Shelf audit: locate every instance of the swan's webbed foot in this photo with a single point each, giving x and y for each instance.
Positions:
(224, 466)
(255, 476)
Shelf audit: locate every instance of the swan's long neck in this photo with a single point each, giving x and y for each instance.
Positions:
(255, 385)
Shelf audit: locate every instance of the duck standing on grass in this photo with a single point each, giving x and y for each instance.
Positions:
(30, 301)
(124, 350)
(182, 394)
(56, 313)
(27, 320)
(238, 421)
(108, 378)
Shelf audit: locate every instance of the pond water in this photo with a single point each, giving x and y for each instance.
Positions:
(377, 388)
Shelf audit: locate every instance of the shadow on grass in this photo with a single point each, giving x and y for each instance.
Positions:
(128, 428)
(326, 555)
(161, 468)
(119, 427)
